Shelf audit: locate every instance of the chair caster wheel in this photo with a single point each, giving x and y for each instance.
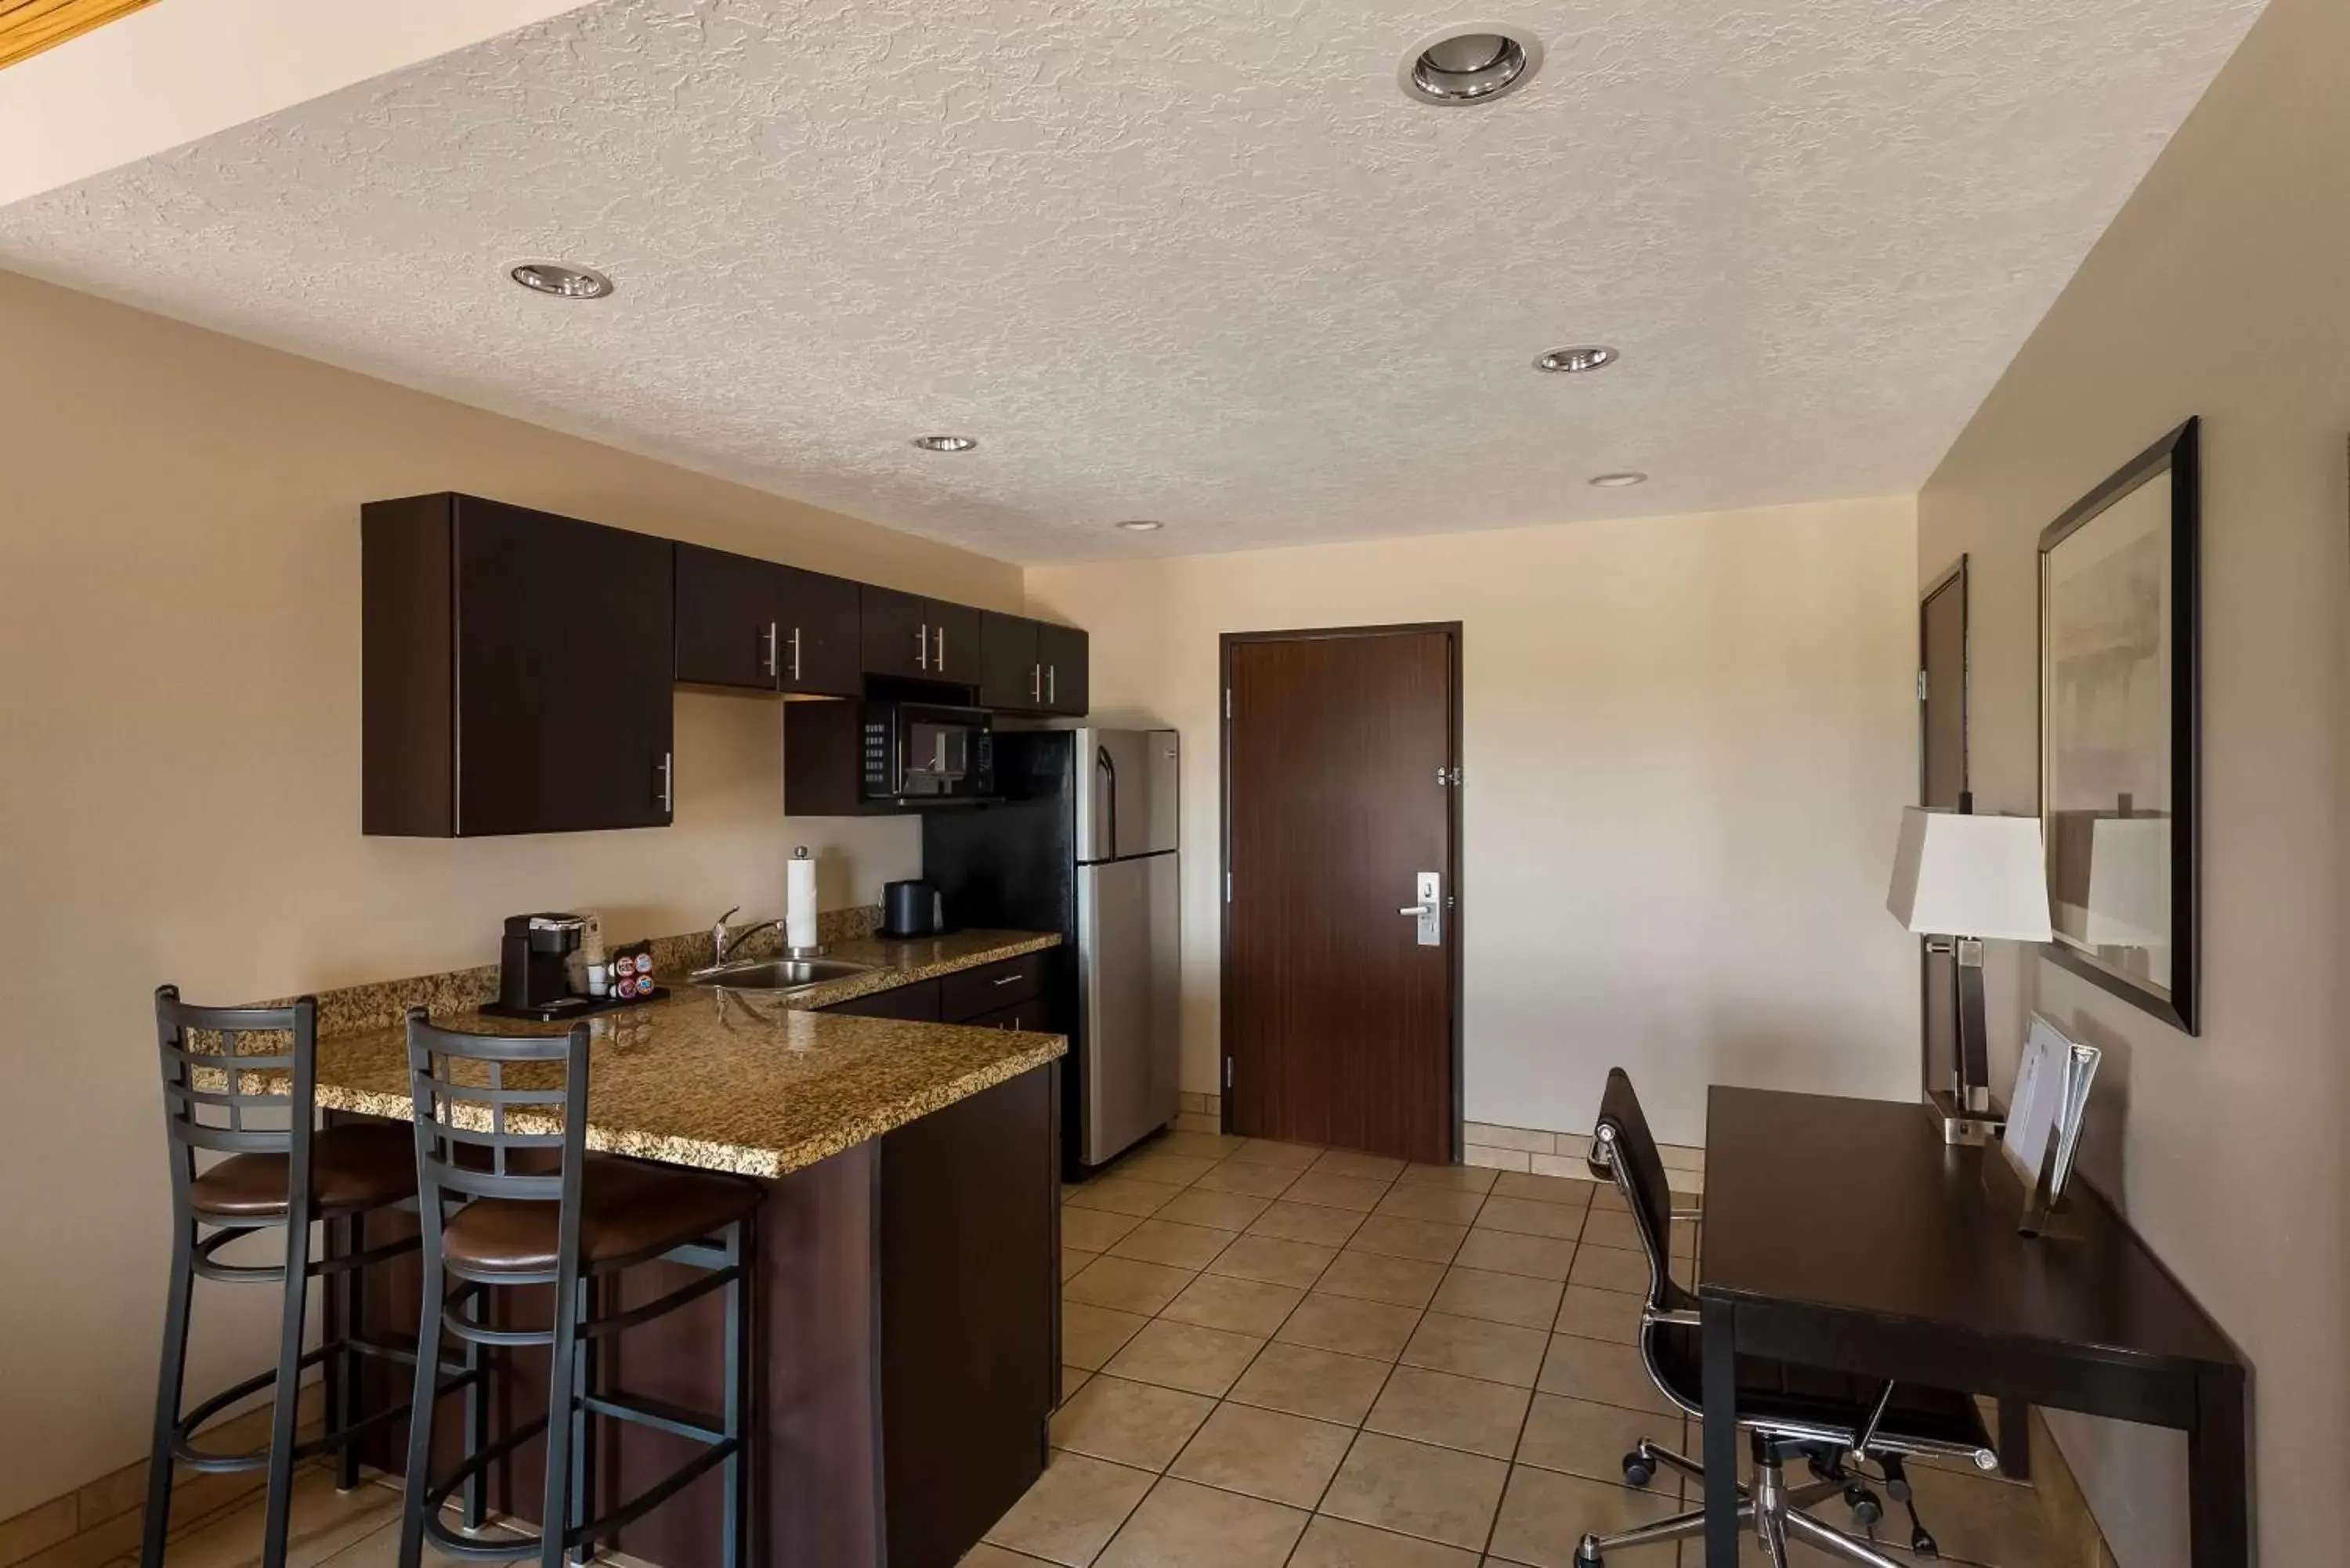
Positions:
(1922, 1544)
(1866, 1508)
(1639, 1469)
(1586, 1552)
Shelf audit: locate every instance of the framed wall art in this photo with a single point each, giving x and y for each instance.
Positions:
(2120, 719)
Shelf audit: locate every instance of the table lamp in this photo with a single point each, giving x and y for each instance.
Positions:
(1960, 880)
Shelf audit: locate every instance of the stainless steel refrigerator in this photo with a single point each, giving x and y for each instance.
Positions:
(1085, 843)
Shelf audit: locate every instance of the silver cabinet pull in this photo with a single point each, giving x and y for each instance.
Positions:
(767, 650)
(1052, 683)
(1008, 980)
(922, 645)
(942, 664)
(1036, 683)
(667, 779)
(796, 653)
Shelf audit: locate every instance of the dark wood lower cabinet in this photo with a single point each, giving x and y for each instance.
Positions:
(908, 1325)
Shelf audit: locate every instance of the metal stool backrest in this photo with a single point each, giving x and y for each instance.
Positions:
(464, 1100)
(1623, 1147)
(222, 1120)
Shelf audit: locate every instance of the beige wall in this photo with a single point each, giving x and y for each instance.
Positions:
(179, 792)
(2219, 290)
(1686, 742)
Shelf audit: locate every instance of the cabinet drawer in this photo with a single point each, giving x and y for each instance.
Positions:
(970, 993)
(917, 1002)
(1024, 1015)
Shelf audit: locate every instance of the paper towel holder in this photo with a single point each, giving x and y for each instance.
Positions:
(799, 852)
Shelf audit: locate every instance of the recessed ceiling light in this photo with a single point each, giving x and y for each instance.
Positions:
(1142, 525)
(945, 442)
(563, 281)
(1574, 361)
(1619, 481)
(1475, 63)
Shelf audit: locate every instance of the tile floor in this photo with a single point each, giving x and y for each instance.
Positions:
(1280, 1355)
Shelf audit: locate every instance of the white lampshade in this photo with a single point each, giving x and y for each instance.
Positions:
(1955, 875)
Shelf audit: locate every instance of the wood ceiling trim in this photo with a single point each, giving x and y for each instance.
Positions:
(28, 27)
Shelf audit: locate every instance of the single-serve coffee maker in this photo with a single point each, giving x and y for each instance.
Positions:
(534, 968)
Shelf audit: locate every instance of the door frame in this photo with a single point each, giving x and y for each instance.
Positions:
(1226, 642)
(1954, 576)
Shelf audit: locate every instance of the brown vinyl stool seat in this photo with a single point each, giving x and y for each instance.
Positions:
(627, 1211)
(360, 1165)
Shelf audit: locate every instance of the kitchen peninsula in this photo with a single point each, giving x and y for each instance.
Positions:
(906, 1249)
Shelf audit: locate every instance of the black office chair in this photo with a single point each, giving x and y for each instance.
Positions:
(1836, 1423)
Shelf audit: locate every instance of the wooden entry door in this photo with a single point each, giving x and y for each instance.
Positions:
(1341, 789)
(1941, 781)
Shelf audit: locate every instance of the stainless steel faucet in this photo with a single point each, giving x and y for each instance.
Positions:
(722, 938)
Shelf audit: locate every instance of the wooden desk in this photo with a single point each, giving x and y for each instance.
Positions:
(1844, 1234)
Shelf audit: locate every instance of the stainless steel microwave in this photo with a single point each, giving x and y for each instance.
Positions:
(916, 752)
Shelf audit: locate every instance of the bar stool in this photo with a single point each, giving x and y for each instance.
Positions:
(284, 1175)
(490, 1112)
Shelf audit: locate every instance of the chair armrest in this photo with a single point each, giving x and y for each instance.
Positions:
(1691, 1215)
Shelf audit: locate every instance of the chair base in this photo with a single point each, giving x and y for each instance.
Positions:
(1774, 1510)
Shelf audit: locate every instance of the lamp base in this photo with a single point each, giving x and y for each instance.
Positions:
(1970, 1125)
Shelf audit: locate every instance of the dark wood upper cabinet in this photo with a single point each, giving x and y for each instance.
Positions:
(764, 626)
(1010, 678)
(515, 671)
(1061, 652)
(915, 639)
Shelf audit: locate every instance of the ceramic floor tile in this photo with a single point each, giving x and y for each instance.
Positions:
(1072, 1511)
(984, 1555)
(1498, 1352)
(1498, 1298)
(1502, 1252)
(1460, 1178)
(1453, 1205)
(1414, 1489)
(1237, 1175)
(1370, 1167)
(1074, 1261)
(1530, 1217)
(1582, 1438)
(1313, 1223)
(380, 1549)
(1182, 1525)
(1267, 1151)
(323, 1523)
(1305, 1381)
(1544, 1188)
(1175, 1245)
(1094, 1229)
(1451, 1412)
(1977, 1518)
(1273, 1260)
(1374, 1276)
(1430, 1241)
(1175, 1170)
(1603, 1373)
(1121, 1195)
(1073, 1377)
(1265, 1453)
(1138, 1424)
(1340, 1544)
(1545, 1513)
(1243, 1306)
(1217, 1211)
(1351, 1327)
(1198, 1146)
(1128, 1284)
(1614, 1229)
(1335, 1191)
(1186, 1355)
(1607, 1269)
(1090, 1336)
(1600, 1314)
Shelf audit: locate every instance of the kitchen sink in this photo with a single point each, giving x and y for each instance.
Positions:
(777, 974)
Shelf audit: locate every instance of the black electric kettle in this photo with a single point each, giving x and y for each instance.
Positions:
(912, 909)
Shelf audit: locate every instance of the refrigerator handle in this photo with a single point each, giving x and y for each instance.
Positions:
(1103, 765)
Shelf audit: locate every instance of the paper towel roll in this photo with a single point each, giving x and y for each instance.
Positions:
(799, 903)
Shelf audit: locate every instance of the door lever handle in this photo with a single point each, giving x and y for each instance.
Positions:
(1416, 909)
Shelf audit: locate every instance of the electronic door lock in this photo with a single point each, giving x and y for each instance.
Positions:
(1429, 911)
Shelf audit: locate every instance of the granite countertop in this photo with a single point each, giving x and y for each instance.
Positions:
(758, 1084)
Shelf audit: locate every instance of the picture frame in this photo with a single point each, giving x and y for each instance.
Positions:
(2121, 730)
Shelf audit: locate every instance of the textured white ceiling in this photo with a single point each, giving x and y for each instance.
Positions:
(1197, 260)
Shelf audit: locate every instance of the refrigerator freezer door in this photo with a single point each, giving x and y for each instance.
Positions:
(1163, 772)
(1113, 795)
(1126, 956)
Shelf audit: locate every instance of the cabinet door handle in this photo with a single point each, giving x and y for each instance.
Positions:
(666, 782)
(1052, 683)
(796, 653)
(942, 666)
(1008, 980)
(922, 645)
(767, 650)
(1036, 683)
